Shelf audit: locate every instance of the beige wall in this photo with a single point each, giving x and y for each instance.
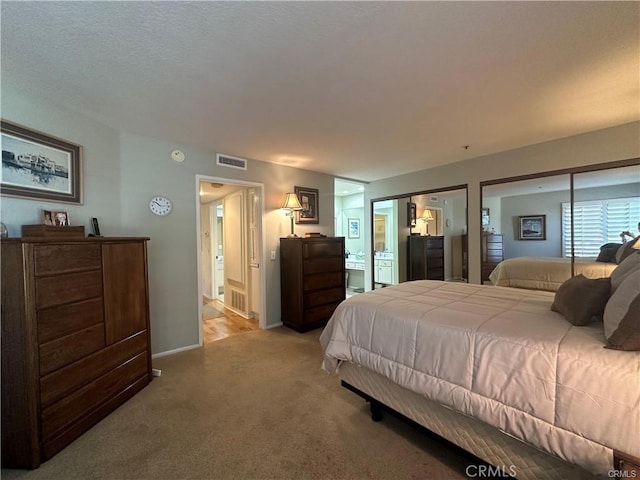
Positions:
(608, 145)
(122, 171)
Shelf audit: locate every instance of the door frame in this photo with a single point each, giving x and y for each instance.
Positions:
(262, 320)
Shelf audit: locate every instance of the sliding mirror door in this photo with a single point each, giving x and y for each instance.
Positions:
(422, 236)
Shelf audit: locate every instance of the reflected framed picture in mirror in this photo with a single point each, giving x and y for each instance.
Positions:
(411, 214)
(486, 220)
(532, 227)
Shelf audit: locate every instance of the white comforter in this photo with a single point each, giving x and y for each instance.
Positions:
(498, 354)
(545, 273)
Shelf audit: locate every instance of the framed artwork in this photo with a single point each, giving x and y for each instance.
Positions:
(411, 214)
(58, 219)
(486, 220)
(532, 227)
(354, 227)
(308, 198)
(37, 166)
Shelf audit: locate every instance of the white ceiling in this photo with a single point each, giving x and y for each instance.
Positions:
(362, 90)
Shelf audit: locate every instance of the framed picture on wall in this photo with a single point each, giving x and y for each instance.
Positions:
(354, 228)
(411, 214)
(532, 227)
(308, 198)
(37, 166)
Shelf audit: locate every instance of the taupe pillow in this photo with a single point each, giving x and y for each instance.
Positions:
(622, 315)
(627, 267)
(627, 249)
(582, 300)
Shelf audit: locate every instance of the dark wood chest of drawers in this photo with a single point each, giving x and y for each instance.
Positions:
(312, 278)
(492, 253)
(75, 339)
(425, 257)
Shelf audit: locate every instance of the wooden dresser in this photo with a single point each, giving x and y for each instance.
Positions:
(312, 280)
(492, 253)
(75, 339)
(425, 257)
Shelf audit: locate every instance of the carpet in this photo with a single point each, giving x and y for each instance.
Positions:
(253, 406)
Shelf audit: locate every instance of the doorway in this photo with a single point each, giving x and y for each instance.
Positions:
(231, 277)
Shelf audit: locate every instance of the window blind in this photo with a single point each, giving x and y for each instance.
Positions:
(598, 222)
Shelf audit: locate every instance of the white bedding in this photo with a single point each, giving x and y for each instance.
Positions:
(498, 354)
(545, 273)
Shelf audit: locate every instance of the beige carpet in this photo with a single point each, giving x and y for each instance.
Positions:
(253, 406)
(209, 312)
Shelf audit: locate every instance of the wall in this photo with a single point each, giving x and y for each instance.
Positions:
(616, 143)
(122, 171)
(549, 204)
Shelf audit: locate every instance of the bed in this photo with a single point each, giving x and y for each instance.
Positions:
(493, 370)
(545, 273)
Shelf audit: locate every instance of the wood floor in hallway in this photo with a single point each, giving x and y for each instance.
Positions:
(219, 322)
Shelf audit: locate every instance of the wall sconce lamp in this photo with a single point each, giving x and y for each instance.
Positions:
(425, 217)
(291, 204)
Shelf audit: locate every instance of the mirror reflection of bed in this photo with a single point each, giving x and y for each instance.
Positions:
(605, 203)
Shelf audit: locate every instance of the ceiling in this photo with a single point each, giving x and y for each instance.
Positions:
(361, 90)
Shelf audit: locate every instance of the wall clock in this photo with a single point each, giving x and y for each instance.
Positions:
(160, 205)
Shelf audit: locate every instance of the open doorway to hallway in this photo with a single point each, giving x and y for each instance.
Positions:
(230, 276)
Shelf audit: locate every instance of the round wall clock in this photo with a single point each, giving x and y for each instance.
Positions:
(160, 205)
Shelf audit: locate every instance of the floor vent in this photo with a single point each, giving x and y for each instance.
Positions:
(231, 162)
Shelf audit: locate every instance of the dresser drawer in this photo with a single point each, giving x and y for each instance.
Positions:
(323, 281)
(73, 287)
(60, 321)
(65, 350)
(319, 265)
(79, 403)
(66, 258)
(323, 296)
(70, 378)
(322, 249)
(317, 315)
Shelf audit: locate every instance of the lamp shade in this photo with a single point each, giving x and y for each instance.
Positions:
(292, 202)
(426, 215)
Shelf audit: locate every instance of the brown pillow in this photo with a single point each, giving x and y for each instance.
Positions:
(622, 315)
(582, 300)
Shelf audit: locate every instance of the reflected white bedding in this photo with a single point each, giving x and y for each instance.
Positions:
(500, 355)
(545, 273)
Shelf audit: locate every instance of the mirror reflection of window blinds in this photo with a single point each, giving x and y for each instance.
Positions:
(598, 222)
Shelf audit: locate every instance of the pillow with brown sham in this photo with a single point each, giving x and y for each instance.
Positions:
(622, 315)
(582, 300)
(608, 252)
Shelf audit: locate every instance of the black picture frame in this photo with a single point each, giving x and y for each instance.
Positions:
(411, 214)
(37, 166)
(310, 213)
(532, 227)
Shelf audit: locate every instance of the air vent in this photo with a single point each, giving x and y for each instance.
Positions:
(231, 162)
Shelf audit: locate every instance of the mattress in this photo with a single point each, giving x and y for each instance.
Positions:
(484, 441)
(500, 355)
(545, 273)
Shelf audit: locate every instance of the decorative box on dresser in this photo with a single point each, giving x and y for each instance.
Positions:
(312, 279)
(492, 253)
(425, 255)
(75, 339)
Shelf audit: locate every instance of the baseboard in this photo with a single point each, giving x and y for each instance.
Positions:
(176, 350)
(275, 325)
